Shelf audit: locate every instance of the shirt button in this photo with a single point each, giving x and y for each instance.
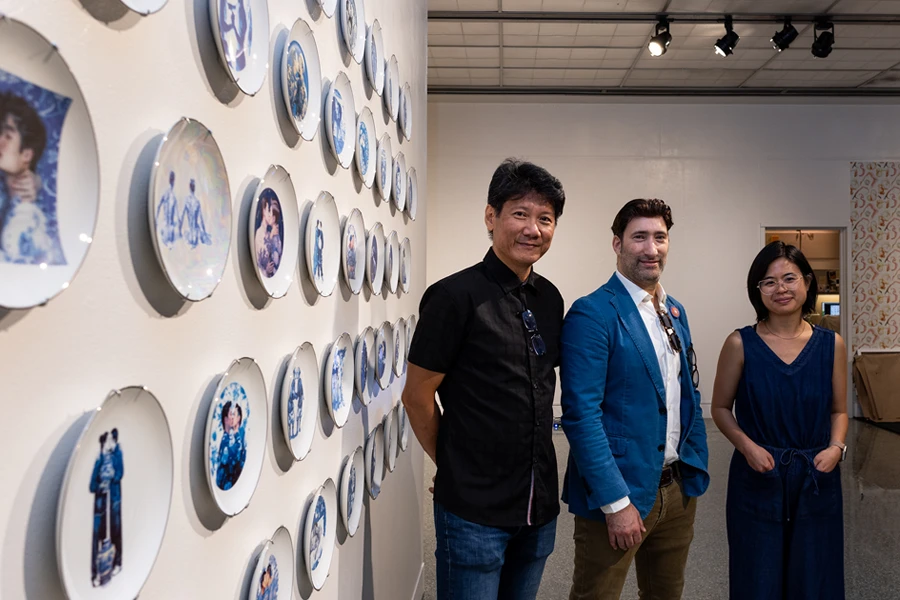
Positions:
(661, 447)
(534, 385)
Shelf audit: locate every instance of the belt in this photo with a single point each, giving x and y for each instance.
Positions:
(669, 475)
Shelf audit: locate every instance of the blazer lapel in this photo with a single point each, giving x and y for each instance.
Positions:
(686, 379)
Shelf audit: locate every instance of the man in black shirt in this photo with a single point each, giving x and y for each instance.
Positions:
(487, 343)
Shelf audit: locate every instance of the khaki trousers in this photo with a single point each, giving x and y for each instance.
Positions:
(660, 558)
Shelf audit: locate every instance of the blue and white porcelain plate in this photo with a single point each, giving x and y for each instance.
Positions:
(392, 88)
(399, 361)
(384, 354)
(385, 173)
(273, 578)
(323, 244)
(340, 120)
(365, 362)
(398, 185)
(353, 27)
(274, 232)
(241, 31)
(403, 428)
(412, 193)
(115, 498)
(375, 64)
(341, 376)
(352, 490)
(390, 439)
(392, 262)
(405, 265)
(366, 147)
(319, 533)
(300, 400)
(301, 80)
(410, 332)
(406, 123)
(353, 251)
(236, 433)
(375, 247)
(50, 190)
(375, 460)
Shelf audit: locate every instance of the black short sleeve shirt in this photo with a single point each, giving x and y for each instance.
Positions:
(495, 456)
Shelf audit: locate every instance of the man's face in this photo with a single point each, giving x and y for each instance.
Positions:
(13, 160)
(642, 250)
(522, 230)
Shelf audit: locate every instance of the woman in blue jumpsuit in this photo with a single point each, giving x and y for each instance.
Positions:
(787, 383)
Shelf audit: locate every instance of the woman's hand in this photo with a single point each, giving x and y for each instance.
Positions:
(827, 459)
(759, 458)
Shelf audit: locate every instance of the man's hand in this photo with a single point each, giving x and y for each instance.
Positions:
(24, 185)
(625, 528)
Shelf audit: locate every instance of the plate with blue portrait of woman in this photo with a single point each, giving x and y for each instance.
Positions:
(375, 247)
(236, 432)
(352, 489)
(319, 533)
(392, 262)
(273, 578)
(340, 120)
(301, 80)
(353, 251)
(374, 460)
(384, 354)
(375, 64)
(241, 31)
(398, 185)
(323, 244)
(49, 170)
(300, 400)
(365, 363)
(115, 499)
(392, 88)
(274, 232)
(384, 167)
(406, 111)
(341, 376)
(353, 28)
(366, 146)
(412, 193)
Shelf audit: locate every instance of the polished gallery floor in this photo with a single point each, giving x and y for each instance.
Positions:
(871, 484)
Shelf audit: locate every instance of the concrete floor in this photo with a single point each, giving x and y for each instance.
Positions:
(871, 486)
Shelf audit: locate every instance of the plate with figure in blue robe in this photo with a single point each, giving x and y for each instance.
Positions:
(319, 533)
(366, 147)
(115, 498)
(375, 58)
(375, 460)
(405, 265)
(301, 80)
(399, 360)
(353, 28)
(190, 210)
(392, 88)
(340, 120)
(365, 362)
(385, 167)
(274, 232)
(273, 578)
(402, 428)
(236, 433)
(241, 31)
(49, 170)
(323, 244)
(329, 7)
(390, 439)
(410, 332)
(353, 250)
(339, 388)
(384, 354)
(375, 246)
(392, 262)
(412, 193)
(300, 400)
(352, 490)
(406, 111)
(398, 185)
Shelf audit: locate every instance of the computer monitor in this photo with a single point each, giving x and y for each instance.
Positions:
(831, 308)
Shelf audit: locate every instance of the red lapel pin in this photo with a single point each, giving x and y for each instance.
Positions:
(675, 312)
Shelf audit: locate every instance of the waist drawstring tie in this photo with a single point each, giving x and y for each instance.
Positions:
(787, 457)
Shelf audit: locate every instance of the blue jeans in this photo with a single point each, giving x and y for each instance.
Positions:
(477, 562)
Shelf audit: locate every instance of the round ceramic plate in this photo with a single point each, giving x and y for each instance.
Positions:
(410, 332)
(366, 147)
(353, 251)
(406, 111)
(390, 440)
(399, 362)
(145, 7)
(392, 266)
(403, 428)
(398, 186)
(392, 88)
(50, 212)
(190, 210)
(351, 492)
(365, 362)
(412, 193)
(405, 265)
(300, 400)
(375, 58)
(241, 29)
(375, 246)
(236, 432)
(340, 120)
(375, 460)
(274, 232)
(273, 578)
(323, 244)
(339, 391)
(384, 352)
(385, 173)
(353, 27)
(115, 499)
(319, 533)
(301, 80)
(328, 7)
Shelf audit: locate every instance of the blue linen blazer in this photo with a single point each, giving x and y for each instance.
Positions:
(614, 406)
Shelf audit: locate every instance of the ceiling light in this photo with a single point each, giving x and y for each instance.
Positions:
(725, 45)
(824, 39)
(782, 40)
(659, 43)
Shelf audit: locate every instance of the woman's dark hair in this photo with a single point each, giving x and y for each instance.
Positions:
(641, 207)
(516, 178)
(29, 124)
(766, 257)
(227, 408)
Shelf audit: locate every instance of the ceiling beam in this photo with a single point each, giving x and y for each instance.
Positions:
(663, 91)
(624, 17)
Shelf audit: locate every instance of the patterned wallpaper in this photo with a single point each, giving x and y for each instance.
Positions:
(875, 223)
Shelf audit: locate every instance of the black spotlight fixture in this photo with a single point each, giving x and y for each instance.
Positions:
(725, 45)
(659, 43)
(782, 40)
(824, 39)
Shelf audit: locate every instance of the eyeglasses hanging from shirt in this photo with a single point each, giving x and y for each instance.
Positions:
(535, 339)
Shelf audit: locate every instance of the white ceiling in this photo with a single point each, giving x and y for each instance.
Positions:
(594, 51)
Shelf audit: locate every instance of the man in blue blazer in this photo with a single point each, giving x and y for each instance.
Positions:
(631, 412)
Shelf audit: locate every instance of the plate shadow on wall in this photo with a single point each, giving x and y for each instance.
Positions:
(206, 54)
(200, 507)
(111, 13)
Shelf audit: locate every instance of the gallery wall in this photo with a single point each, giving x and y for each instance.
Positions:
(120, 324)
(727, 170)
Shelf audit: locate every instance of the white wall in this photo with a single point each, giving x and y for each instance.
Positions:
(726, 169)
(118, 324)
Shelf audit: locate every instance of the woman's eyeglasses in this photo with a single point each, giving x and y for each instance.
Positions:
(770, 285)
(537, 342)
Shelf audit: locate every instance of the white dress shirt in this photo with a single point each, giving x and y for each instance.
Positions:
(669, 368)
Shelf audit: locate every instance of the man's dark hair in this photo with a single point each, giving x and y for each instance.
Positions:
(29, 124)
(641, 207)
(766, 257)
(515, 179)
